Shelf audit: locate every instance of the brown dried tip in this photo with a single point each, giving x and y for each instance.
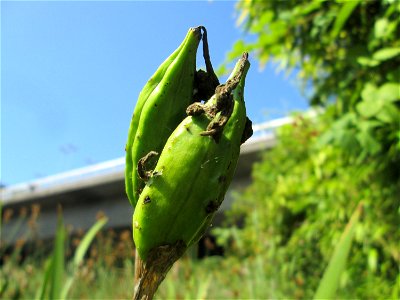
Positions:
(141, 169)
(197, 31)
(207, 59)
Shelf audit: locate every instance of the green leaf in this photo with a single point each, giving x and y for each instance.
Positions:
(238, 48)
(342, 17)
(310, 7)
(1, 213)
(80, 253)
(369, 92)
(58, 260)
(386, 53)
(380, 28)
(369, 109)
(48, 270)
(365, 61)
(87, 240)
(373, 259)
(203, 288)
(331, 278)
(389, 92)
(368, 125)
(396, 288)
(66, 287)
(265, 18)
(54, 266)
(389, 114)
(369, 144)
(245, 10)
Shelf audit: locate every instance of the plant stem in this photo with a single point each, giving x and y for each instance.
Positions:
(207, 60)
(150, 273)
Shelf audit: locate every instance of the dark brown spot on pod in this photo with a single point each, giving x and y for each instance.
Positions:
(146, 200)
(141, 170)
(211, 207)
(247, 131)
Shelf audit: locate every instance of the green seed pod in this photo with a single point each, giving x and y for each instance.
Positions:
(163, 101)
(194, 169)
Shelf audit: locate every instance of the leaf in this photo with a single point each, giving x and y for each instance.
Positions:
(58, 263)
(48, 269)
(331, 278)
(310, 7)
(369, 92)
(386, 53)
(377, 102)
(54, 266)
(396, 288)
(369, 109)
(244, 6)
(1, 213)
(373, 259)
(369, 144)
(389, 92)
(380, 28)
(203, 288)
(238, 48)
(265, 19)
(389, 114)
(342, 17)
(67, 286)
(87, 240)
(365, 61)
(81, 251)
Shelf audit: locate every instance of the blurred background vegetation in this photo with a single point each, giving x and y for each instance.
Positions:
(304, 191)
(306, 188)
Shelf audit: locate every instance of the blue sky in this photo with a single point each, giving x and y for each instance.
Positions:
(71, 73)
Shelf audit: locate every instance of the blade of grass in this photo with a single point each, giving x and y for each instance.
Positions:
(80, 253)
(41, 293)
(203, 288)
(1, 220)
(343, 15)
(331, 278)
(87, 240)
(58, 259)
(250, 284)
(170, 286)
(259, 279)
(396, 289)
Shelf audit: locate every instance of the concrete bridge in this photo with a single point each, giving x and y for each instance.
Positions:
(84, 192)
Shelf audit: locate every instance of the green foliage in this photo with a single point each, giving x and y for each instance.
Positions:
(53, 285)
(80, 253)
(331, 279)
(107, 270)
(54, 266)
(295, 211)
(347, 56)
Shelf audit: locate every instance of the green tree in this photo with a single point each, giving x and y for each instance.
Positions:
(347, 54)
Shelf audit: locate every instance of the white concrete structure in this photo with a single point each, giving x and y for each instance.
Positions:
(83, 192)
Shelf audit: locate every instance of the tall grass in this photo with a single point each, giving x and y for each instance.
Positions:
(105, 271)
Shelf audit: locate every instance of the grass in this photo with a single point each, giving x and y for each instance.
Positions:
(106, 269)
(107, 273)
